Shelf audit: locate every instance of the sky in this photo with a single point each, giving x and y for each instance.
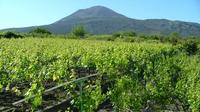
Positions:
(22, 13)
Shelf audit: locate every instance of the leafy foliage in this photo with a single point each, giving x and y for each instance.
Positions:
(130, 74)
(174, 38)
(190, 47)
(11, 35)
(40, 31)
(124, 34)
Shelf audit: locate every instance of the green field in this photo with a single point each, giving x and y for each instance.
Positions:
(131, 76)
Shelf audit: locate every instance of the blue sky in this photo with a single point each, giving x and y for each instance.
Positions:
(21, 13)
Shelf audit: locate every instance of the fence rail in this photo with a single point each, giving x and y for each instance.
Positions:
(56, 87)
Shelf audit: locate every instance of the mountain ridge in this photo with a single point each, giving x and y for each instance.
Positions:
(102, 20)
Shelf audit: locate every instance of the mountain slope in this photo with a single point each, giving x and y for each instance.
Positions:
(101, 20)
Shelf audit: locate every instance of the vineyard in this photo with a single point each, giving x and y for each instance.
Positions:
(124, 76)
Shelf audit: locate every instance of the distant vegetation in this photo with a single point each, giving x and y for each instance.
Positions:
(10, 35)
(124, 34)
(40, 31)
(77, 31)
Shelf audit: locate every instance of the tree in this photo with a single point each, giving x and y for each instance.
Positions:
(78, 31)
(40, 31)
(11, 35)
(190, 47)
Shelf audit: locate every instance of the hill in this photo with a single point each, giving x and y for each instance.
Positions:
(102, 20)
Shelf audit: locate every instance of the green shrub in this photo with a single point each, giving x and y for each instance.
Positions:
(125, 94)
(117, 34)
(129, 33)
(11, 35)
(174, 38)
(40, 31)
(124, 34)
(190, 47)
(110, 38)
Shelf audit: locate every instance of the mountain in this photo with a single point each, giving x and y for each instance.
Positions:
(102, 20)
